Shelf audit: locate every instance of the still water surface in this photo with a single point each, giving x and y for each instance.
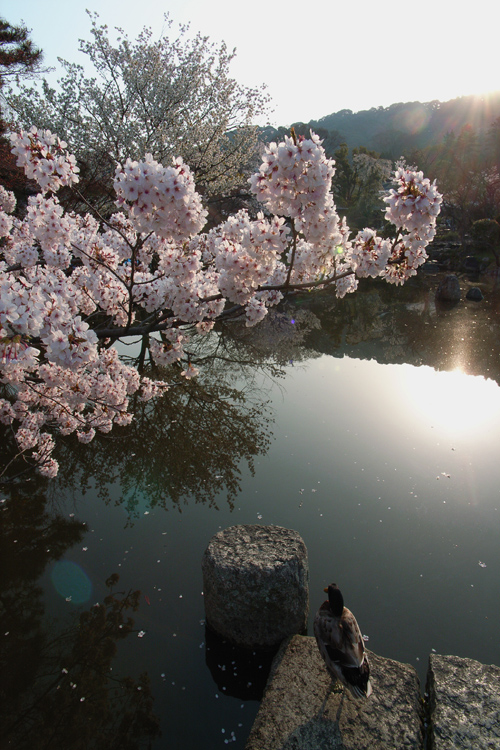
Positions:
(370, 426)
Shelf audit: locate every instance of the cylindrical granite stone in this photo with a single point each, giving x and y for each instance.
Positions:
(256, 584)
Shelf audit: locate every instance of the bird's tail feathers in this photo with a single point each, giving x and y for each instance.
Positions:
(358, 692)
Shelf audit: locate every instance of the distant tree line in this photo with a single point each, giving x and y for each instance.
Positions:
(405, 126)
(466, 163)
(174, 95)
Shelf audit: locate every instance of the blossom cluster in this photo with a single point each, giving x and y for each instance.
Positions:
(149, 268)
(413, 205)
(160, 199)
(294, 181)
(7, 205)
(45, 159)
(369, 254)
(246, 255)
(294, 175)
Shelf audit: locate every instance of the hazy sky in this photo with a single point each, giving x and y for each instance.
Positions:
(315, 58)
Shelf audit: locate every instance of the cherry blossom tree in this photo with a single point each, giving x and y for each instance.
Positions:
(167, 97)
(71, 286)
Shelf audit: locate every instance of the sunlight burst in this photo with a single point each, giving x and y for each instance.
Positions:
(453, 401)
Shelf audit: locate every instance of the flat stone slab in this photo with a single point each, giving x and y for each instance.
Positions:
(464, 702)
(298, 712)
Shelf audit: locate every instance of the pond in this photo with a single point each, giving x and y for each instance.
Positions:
(369, 425)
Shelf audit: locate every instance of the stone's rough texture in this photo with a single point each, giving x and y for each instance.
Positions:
(464, 703)
(294, 714)
(474, 293)
(255, 582)
(449, 289)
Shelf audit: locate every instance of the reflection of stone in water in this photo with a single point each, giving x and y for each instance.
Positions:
(239, 672)
(71, 582)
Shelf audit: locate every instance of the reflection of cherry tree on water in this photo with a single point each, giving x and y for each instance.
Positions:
(60, 686)
(192, 446)
(72, 285)
(75, 699)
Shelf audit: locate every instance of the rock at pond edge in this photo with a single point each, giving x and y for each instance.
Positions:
(448, 289)
(299, 713)
(475, 294)
(464, 704)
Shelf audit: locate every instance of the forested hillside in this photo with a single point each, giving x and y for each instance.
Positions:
(412, 125)
(406, 126)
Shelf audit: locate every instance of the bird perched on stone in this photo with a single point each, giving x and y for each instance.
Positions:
(341, 644)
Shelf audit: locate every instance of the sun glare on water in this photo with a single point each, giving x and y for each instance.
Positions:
(453, 401)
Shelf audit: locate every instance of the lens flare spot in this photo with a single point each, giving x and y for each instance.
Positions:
(71, 582)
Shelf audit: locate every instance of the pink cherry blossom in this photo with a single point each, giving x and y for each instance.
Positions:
(149, 268)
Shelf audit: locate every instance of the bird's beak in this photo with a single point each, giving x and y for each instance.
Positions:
(326, 590)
